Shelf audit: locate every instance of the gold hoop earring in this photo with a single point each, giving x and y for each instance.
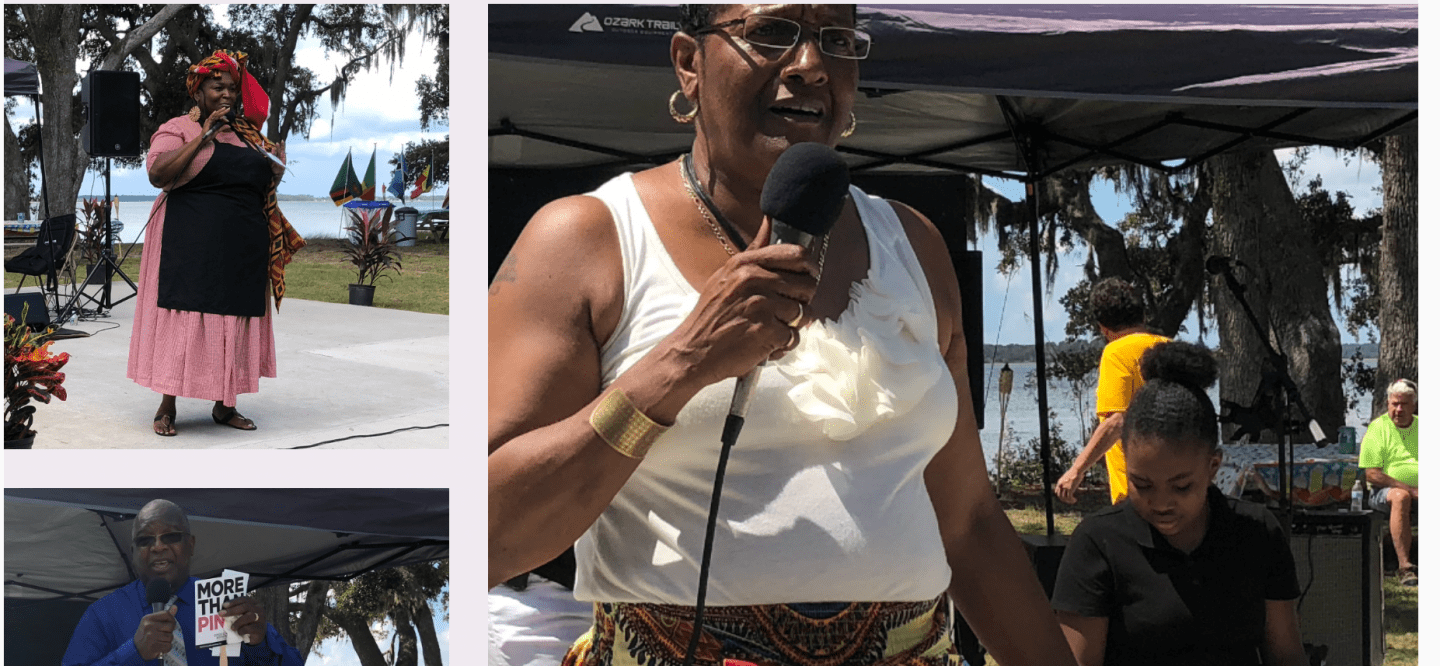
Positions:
(682, 118)
(851, 129)
(195, 114)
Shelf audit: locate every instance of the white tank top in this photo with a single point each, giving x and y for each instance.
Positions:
(824, 496)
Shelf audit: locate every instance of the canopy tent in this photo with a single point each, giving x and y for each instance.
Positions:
(948, 86)
(22, 78)
(1013, 91)
(75, 543)
(65, 548)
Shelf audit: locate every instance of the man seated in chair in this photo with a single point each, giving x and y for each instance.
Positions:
(1390, 456)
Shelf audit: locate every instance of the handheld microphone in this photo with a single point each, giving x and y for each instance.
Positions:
(803, 196)
(229, 119)
(157, 593)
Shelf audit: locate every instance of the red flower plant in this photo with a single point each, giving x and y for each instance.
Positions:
(31, 373)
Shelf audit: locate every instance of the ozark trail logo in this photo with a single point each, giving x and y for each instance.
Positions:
(639, 26)
(587, 23)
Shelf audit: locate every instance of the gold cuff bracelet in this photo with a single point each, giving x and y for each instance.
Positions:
(625, 428)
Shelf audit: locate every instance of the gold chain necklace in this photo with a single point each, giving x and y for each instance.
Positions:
(708, 211)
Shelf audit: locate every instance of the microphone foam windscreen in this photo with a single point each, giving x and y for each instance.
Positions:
(807, 188)
(158, 591)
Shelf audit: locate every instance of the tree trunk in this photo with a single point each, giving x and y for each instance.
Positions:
(425, 624)
(1258, 223)
(17, 180)
(407, 653)
(275, 601)
(358, 629)
(55, 31)
(310, 616)
(1399, 272)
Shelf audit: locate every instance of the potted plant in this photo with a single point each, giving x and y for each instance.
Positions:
(91, 242)
(373, 249)
(31, 373)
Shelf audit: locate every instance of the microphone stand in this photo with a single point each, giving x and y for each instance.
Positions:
(1271, 407)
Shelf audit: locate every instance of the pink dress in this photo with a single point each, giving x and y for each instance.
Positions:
(193, 354)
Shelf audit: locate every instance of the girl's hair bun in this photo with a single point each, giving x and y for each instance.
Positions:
(1184, 363)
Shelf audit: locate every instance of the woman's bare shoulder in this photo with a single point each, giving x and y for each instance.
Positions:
(566, 261)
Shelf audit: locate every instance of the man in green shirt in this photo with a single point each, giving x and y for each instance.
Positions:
(1390, 456)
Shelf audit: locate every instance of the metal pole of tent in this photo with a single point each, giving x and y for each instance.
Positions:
(1032, 207)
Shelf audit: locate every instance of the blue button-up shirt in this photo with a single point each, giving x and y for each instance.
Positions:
(106, 634)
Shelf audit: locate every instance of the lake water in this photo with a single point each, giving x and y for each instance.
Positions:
(1022, 416)
(312, 219)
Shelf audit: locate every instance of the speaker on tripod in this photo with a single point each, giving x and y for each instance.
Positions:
(112, 114)
(1337, 559)
(112, 129)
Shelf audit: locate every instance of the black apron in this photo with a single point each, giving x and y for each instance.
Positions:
(214, 252)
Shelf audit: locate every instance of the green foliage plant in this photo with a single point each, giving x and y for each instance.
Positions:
(374, 246)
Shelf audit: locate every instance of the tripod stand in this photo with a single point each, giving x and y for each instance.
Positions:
(107, 259)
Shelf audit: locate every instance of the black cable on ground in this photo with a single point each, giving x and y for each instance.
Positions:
(377, 434)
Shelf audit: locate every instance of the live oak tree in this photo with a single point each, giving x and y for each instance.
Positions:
(1397, 281)
(1259, 224)
(170, 38)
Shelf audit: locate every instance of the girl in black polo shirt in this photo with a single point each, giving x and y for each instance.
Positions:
(1178, 574)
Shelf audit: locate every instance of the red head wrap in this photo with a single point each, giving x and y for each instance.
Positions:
(252, 96)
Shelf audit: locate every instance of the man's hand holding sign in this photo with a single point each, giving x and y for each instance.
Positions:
(249, 622)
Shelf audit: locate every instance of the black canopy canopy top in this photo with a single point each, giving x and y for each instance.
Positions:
(952, 87)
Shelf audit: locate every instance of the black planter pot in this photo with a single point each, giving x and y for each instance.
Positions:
(362, 294)
(22, 443)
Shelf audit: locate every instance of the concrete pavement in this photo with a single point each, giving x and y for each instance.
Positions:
(348, 377)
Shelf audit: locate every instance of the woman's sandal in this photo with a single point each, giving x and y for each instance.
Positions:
(165, 422)
(229, 417)
(1409, 577)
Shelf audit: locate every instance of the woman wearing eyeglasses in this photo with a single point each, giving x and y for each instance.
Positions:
(857, 495)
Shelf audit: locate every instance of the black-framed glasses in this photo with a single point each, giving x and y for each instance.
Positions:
(775, 32)
(168, 538)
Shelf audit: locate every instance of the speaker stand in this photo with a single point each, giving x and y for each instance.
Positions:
(107, 259)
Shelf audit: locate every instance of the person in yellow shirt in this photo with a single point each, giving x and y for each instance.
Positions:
(1120, 312)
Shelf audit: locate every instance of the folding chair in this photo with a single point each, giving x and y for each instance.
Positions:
(49, 257)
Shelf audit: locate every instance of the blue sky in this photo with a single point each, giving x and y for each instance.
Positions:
(379, 111)
(1011, 322)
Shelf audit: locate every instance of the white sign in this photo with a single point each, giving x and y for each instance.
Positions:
(211, 629)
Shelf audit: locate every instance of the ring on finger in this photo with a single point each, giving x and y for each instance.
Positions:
(794, 339)
(795, 323)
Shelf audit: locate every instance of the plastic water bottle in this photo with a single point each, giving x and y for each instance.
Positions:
(1357, 494)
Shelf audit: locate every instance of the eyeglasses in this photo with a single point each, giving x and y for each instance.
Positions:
(169, 538)
(781, 33)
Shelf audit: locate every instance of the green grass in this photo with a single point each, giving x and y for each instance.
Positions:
(1402, 623)
(320, 272)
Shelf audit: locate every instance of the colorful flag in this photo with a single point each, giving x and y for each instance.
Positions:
(397, 181)
(422, 183)
(367, 186)
(346, 185)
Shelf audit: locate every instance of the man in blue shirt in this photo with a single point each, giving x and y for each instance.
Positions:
(121, 630)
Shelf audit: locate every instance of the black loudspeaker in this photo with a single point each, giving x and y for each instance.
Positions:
(39, 314)
(969, 267)
(112, 114)
(1337, 559)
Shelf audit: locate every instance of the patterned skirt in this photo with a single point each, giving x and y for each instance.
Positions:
(809, 634)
